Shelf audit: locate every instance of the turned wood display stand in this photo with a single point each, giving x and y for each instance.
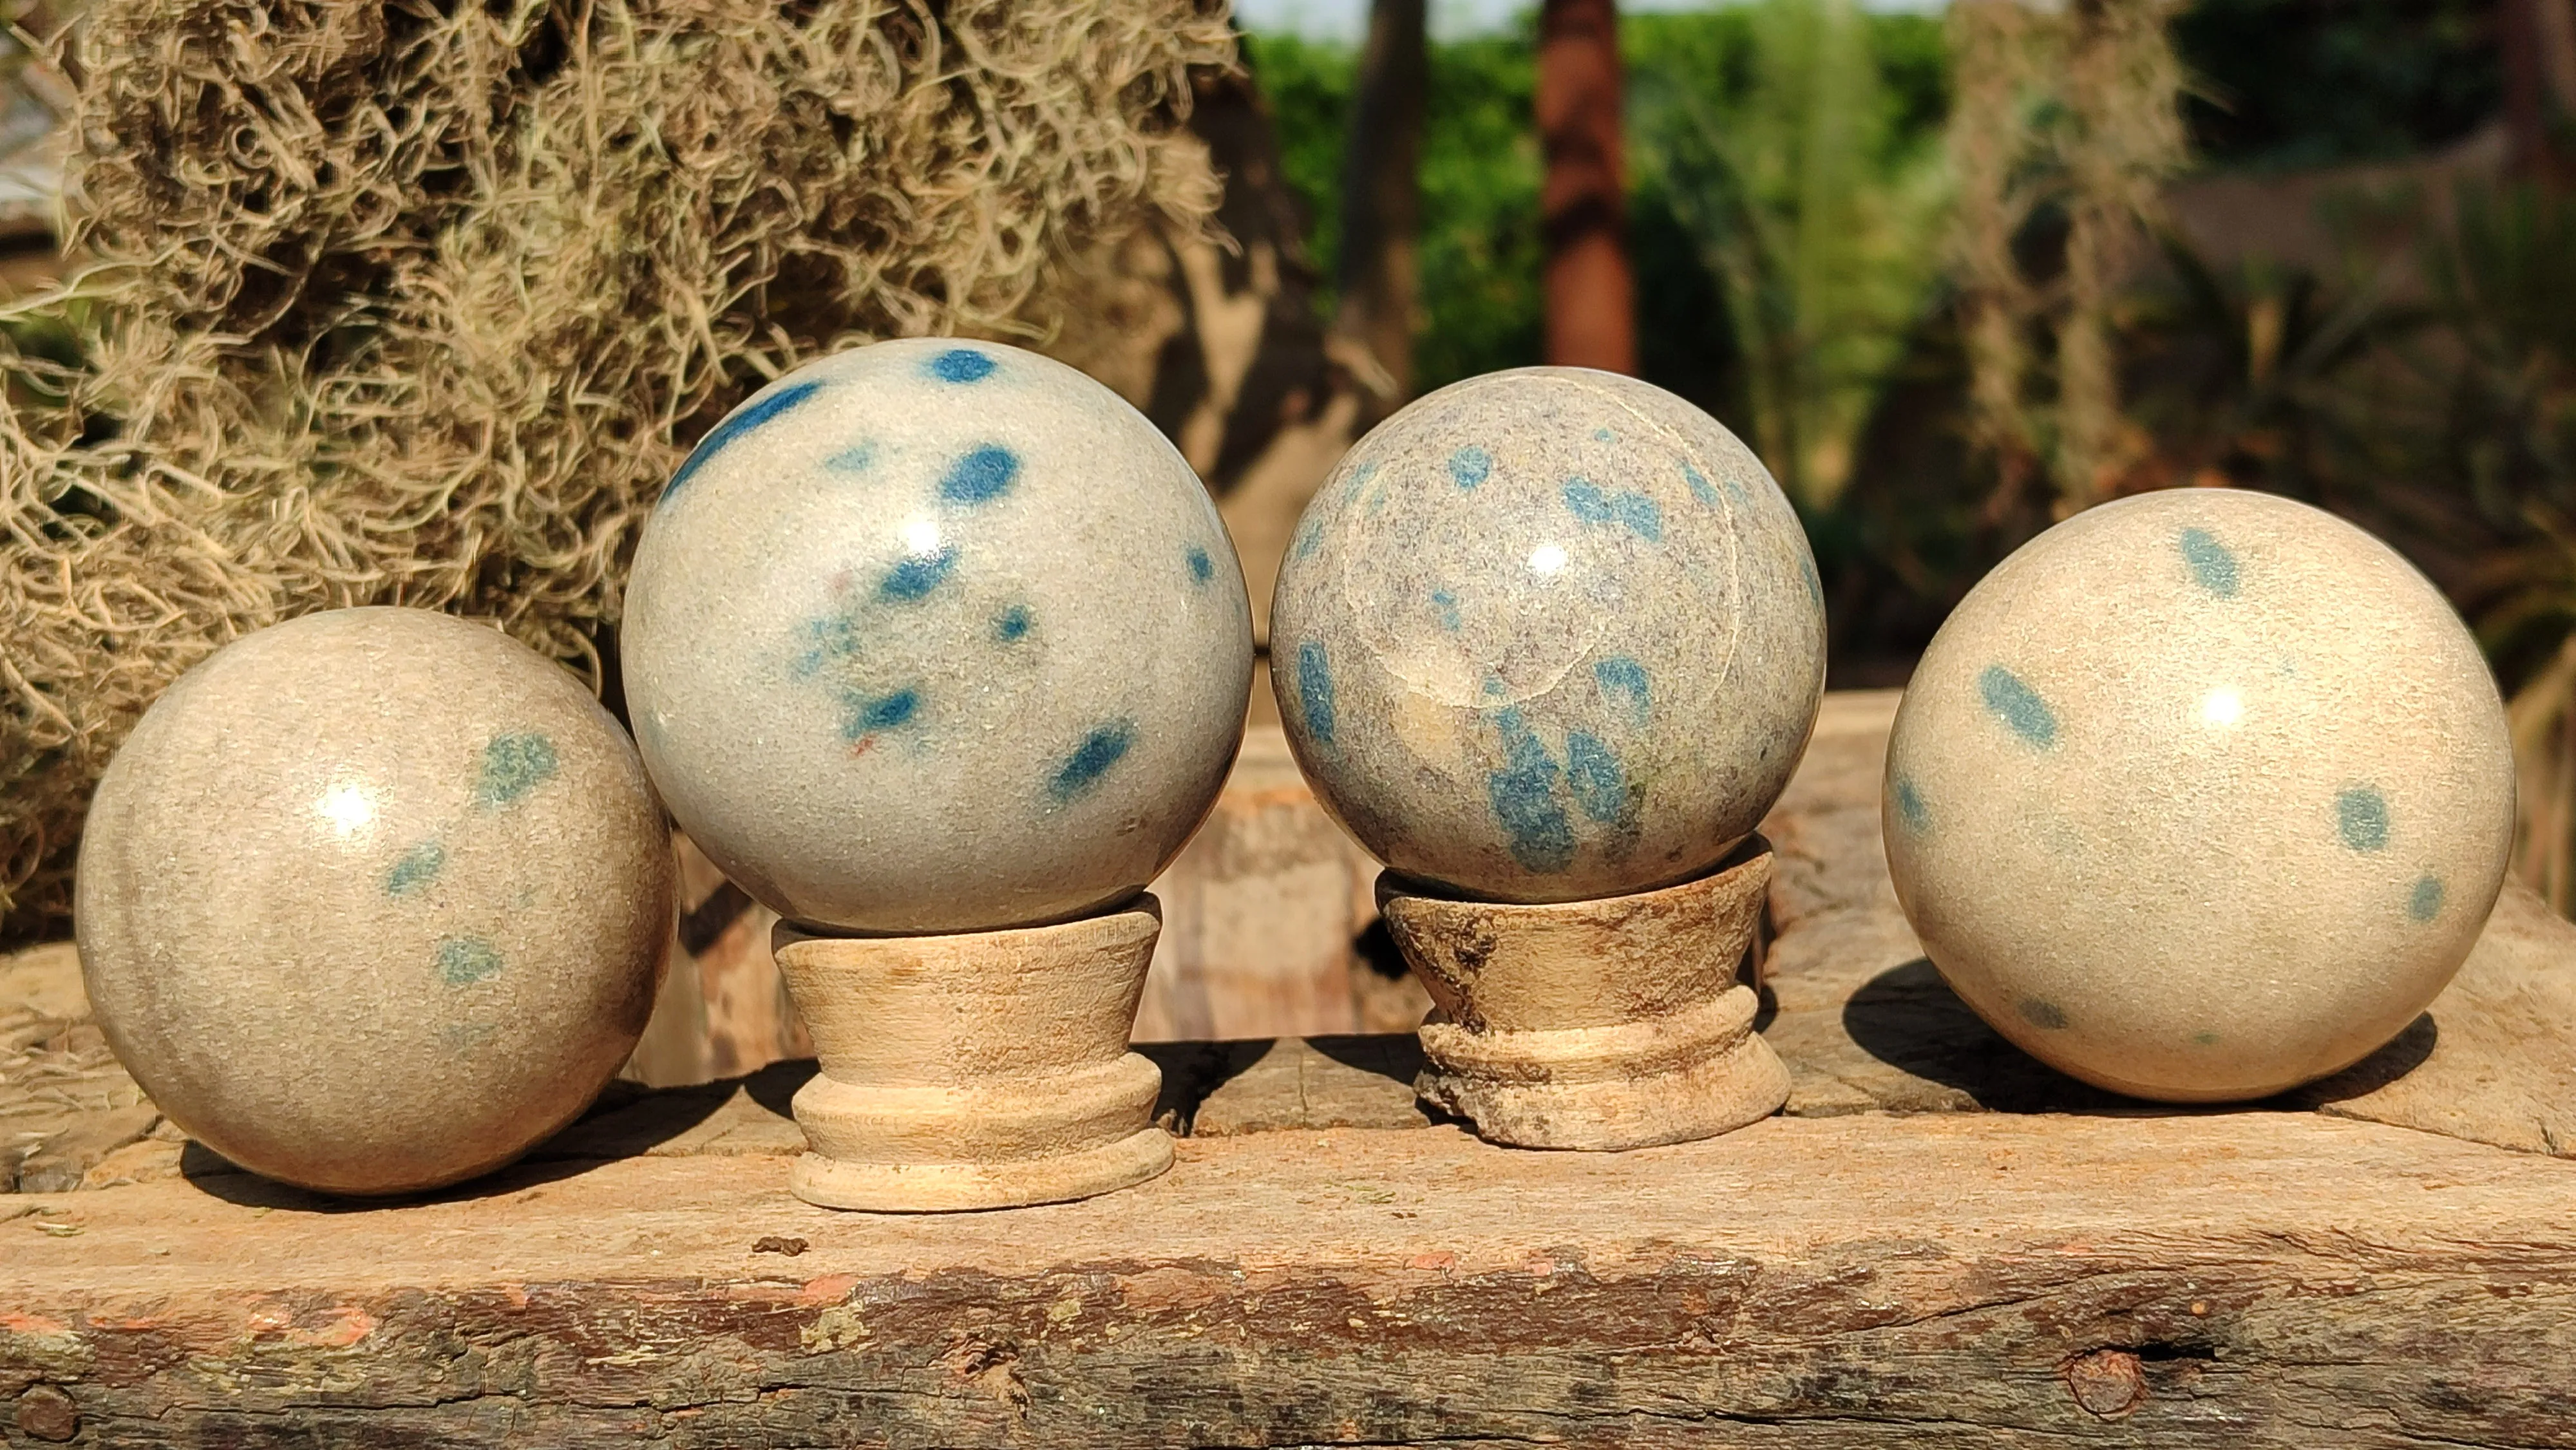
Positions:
(1607, 1024)
(981, 1070)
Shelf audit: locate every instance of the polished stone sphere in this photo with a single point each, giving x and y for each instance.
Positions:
(2200, 795)
(935, 636)
(374, 900)
(1549, 635)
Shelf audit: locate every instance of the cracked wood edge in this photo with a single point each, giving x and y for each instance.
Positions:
(2263, 1278)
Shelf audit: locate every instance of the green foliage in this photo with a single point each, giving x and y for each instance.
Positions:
(1777, 141)
(1481, 170)
(2288, 83)
(1480, 176)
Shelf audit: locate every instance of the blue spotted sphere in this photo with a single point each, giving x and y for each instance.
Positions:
(933, 636)
(2200, 795)
(1549, 635)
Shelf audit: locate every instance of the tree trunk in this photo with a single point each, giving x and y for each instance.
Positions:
(1591, 312)
(1379, 271)
(2538, 41)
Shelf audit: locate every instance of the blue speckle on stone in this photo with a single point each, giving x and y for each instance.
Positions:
(961, 365)
(2018, 706)
(858, 458)
(1586, 502)
(1604, 435)
(1523, 797)
(2212, 563)
(418, 867)
(1807, 571)
(1470, 466)
(2426, 903)
(1910, 808)
(1592, 770)
(870, 714)
(831, 638)
(2041, 1014)
(1315, 691)
(1202, 568)
(514, 765)
(917, 576)
(1447, 605)
(1012, 625)
(1309, 534)
(1640, 514)
(2361, 814)
(760, 409)
(1099, 750)
(1358, 480)
(1626, 679)
(981, 476)
(1699, 485)
(465, 960)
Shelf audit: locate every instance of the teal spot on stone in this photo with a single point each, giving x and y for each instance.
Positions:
(1699, 485)
(2045, 1015)
(1309, 534)
(1315, 691)
(832, 638)
(2426, 902)
(1586, 501)
(419, 866)
(1202, 568)
(1641, 514)
(2361, 815)
(2212, 563)
(1625, 680)
(514, 765)
(858, 459)
(1091, 760)
(2018, 706)
(1470, 466)
(1910, 808)
(1446, 604)
(466, 960)
(1013, 625)
(867, 715)
(1523, 797)
(2204, 1039)
(1592, 771)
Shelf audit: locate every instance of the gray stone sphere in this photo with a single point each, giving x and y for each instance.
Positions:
(1549, 635)
(934, 636)
(2200, 795)
(374, 900)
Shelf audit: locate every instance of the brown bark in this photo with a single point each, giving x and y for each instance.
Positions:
(1591, 296)
(2537, 39)
(1379, 270)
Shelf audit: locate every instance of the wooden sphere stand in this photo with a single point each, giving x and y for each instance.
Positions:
(1607, 1024)
(980, 1070)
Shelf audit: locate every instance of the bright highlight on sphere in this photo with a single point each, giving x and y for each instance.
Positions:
(2201, 795)
(1549, 635)
(937, 636)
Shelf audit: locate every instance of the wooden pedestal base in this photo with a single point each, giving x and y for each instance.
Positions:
(1593, 1024)
(981, 1070)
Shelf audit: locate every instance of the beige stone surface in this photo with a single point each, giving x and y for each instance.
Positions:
(373, 900)
(2200, 795)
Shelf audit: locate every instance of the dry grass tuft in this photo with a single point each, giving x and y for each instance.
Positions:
(418, 302)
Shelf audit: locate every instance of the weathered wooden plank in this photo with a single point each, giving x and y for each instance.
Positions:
(2263, 1278)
